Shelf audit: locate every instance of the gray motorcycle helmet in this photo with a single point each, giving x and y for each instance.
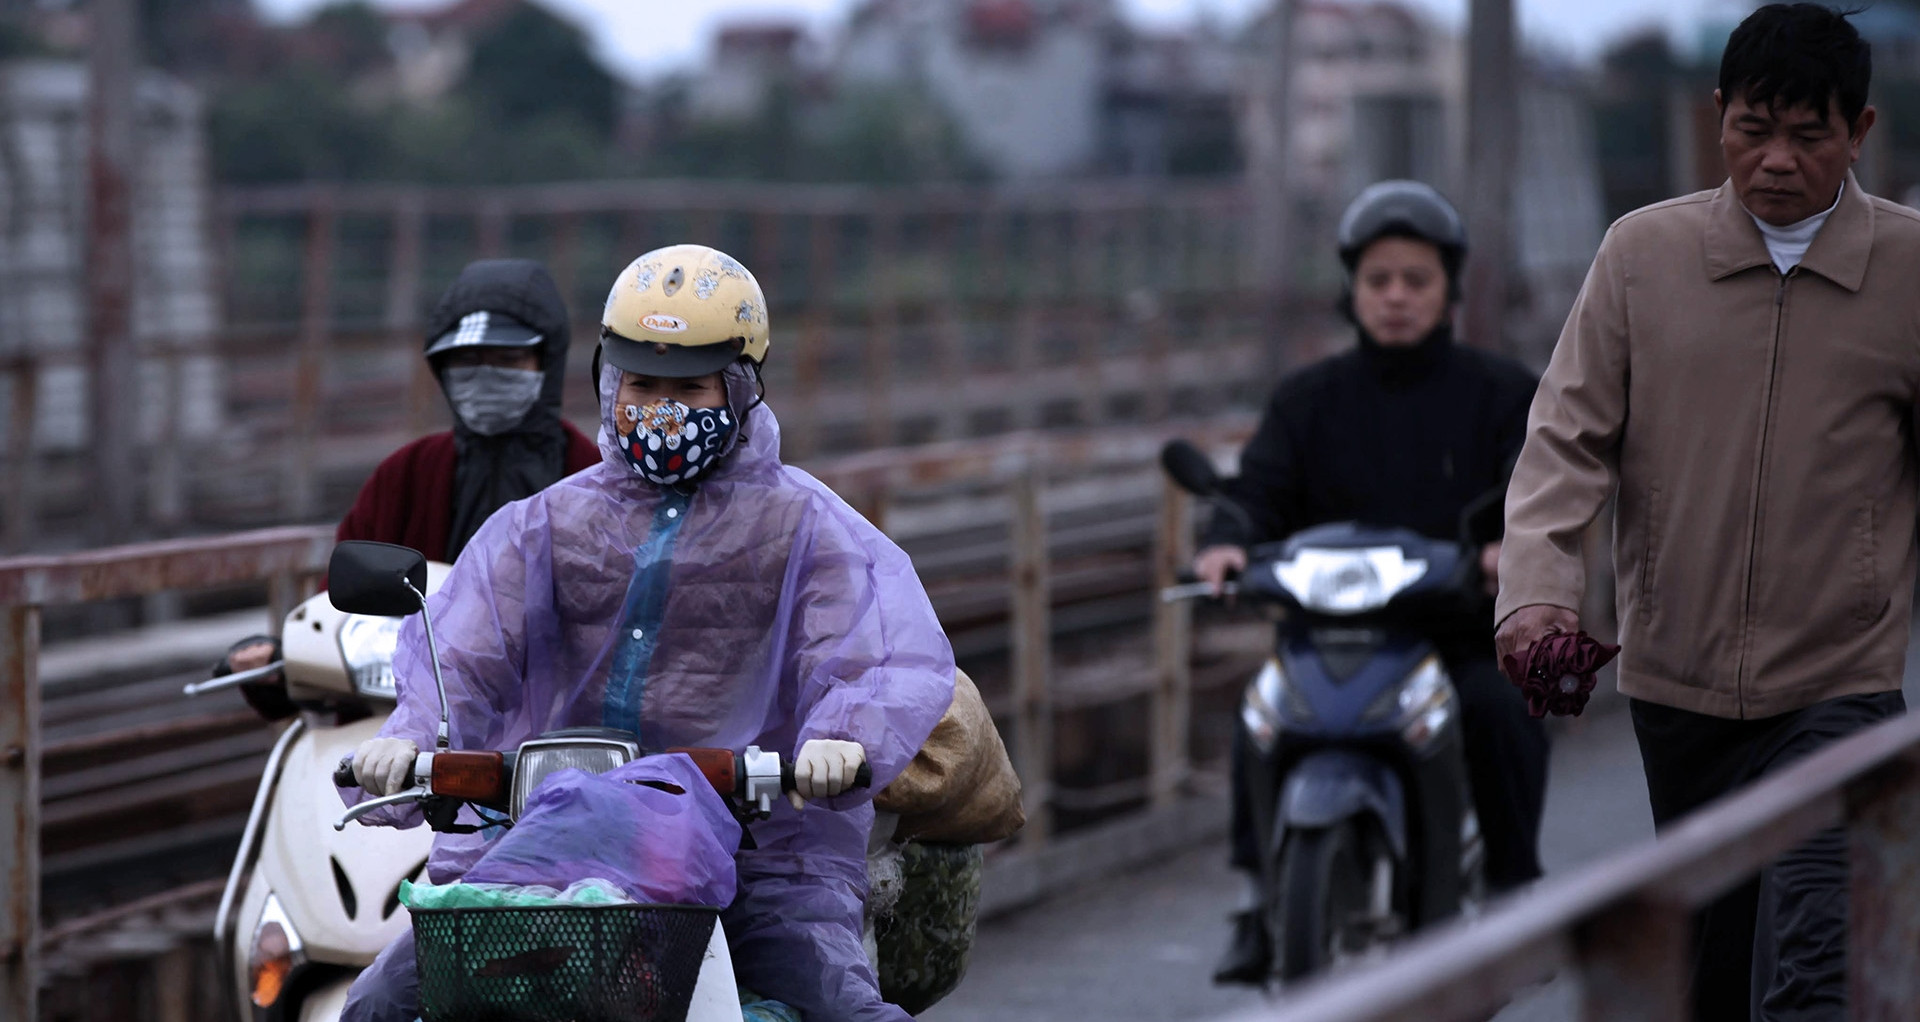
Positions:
(1404, 209)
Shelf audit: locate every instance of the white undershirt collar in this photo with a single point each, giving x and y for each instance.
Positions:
(1788, 245)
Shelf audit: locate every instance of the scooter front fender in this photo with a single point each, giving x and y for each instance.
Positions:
(1335, 784)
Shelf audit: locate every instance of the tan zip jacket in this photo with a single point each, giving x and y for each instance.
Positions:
(1759, 430)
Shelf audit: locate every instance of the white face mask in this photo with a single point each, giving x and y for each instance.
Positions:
(492, 399)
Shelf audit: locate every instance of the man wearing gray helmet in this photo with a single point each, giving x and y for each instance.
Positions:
(1408, 429)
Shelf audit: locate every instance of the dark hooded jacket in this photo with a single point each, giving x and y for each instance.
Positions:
(434, 493)
(1408, 437)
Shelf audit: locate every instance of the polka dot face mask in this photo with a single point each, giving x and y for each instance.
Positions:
(667, 442)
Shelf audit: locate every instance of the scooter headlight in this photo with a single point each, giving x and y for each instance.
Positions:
(367, 644)
(543, 757)
(1420, 706)
(274, 954)
(1271, 701)
(1348, 581)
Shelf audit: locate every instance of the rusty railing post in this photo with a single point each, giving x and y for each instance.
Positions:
(404, 268)
(883, 325)
(1883, 919)
(113, 60)
(1032, 651)
(1633, 963)
(166, 489)
(1093, 307)
(310, 367)
(1036, 255)
(491, 226)
(20, 815)
(19, 498)
(949, 328)
(816, 332)
(286, 591)
(874, 503)
(1172, 646)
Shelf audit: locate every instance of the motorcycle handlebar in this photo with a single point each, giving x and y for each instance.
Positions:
(862, 778)
(233, 680)
(1196, 591)
(343, 775)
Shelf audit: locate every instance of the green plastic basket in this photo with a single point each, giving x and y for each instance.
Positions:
(609, 963)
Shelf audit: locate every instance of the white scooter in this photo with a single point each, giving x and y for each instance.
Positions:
(306, 907)
(382, 579)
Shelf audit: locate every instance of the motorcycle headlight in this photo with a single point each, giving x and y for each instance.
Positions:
(539, 758)
(1270, 702)
(1348, 581)
(273, 955)
(367, 644)
(1421, 706)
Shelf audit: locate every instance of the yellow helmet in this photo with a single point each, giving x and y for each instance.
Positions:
(682, 311)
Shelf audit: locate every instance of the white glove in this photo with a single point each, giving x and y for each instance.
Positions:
(382, 765)
(824, 768)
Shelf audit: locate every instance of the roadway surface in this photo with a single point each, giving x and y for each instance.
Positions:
(1141, 947)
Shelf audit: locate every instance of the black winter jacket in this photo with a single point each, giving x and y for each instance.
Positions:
(1390, 437)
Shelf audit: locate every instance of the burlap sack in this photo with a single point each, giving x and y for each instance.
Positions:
(961, 788)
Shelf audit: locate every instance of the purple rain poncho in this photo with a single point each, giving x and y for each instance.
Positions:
(755, 609)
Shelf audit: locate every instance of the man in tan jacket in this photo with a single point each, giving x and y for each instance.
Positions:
(1741, 370)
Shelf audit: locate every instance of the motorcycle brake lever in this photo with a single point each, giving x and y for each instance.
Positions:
(233, 680)
(397, 798)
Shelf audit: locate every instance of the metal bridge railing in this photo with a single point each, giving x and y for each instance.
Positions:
(1622, 925)
(288, 559)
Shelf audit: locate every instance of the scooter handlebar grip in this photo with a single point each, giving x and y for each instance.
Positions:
(862, 778)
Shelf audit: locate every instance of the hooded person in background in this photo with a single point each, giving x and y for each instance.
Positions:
(497, 342)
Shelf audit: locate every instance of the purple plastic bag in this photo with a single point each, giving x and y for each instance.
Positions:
(657, 846)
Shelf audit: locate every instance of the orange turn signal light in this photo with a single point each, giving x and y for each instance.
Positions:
(716, 764)
(272, 964)
(471, 776)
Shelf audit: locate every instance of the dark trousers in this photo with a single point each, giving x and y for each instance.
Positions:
(1774, 948)
(1506, 753)
(387, 990)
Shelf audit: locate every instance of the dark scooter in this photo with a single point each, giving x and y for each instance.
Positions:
(1354, 762)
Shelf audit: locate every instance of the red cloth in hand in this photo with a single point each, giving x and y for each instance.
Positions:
(1556, 673)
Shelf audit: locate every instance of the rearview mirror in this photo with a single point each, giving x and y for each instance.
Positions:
(1190, 468)
(373, 579)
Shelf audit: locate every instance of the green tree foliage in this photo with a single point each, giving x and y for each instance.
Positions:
(297, 125)
(532, 66)
(868, 135)
(533, 104)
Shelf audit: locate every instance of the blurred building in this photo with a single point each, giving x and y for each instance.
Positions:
(1022, 78)
(431, 46)
(1171, 105)
(1054, 88)
(1379, 91)
(43, 211)
(749, 62)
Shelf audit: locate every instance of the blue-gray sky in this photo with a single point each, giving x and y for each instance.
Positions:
(643, 38)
